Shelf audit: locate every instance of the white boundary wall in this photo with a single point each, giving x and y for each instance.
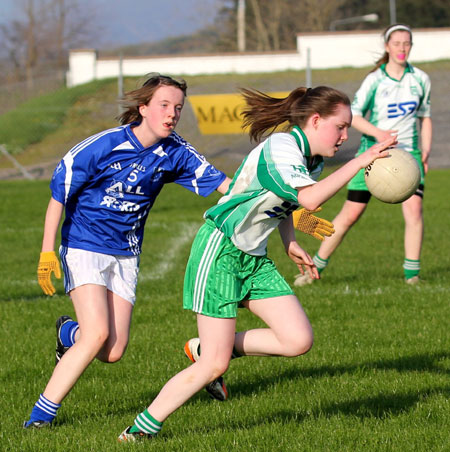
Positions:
(327, 50)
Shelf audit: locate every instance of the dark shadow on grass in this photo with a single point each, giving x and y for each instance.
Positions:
(378, 406)
(419, 362)
(381, 407)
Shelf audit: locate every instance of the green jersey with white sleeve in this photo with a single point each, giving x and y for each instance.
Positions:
(394, 104)
(264, 190)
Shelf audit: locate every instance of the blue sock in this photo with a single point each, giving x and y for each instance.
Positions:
(67, 333)
(43, 410)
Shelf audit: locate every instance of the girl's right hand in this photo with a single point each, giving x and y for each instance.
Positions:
(379, 150)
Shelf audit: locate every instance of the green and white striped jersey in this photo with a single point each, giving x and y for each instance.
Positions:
(264, 190)
(394, 104)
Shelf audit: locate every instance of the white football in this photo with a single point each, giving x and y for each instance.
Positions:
(393, 179)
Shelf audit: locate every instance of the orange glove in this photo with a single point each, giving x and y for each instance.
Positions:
(48, 263)
(306, 222)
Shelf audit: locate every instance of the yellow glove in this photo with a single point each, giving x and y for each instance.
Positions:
(305, 221)
(48, 263)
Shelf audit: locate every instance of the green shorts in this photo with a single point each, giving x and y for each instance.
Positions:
(219, 276)
(358, 182)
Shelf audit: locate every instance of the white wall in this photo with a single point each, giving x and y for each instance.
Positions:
(327, 50)
(360, 49)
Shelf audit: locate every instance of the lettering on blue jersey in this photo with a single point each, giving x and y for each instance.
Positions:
(116, 189)
(137, 191)
(122, 206)
(116, 166)
(133, 176)
(281, 212)
(138, 167)
(401, 109)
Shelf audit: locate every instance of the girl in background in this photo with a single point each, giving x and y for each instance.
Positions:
(396, 94)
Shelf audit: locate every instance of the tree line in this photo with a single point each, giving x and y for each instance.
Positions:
(38, 42)
(274, 24)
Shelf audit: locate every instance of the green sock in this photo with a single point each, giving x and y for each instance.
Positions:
(320, 263)
(146, 423)
(411, 268)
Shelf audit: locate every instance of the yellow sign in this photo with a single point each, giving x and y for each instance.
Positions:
(220, 114)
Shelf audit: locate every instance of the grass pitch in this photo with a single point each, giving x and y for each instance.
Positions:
(377, 378)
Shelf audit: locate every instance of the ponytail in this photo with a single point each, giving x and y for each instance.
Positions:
(263, 113)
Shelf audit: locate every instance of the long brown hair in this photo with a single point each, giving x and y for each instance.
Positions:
(132, 100)
(264, 113)
(386, 37)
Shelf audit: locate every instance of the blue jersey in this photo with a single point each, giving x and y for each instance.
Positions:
(109, 182)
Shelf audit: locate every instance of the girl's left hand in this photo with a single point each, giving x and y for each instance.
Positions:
(376, 151)
(302, 259)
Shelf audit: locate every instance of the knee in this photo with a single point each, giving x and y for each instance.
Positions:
(217, 369)
(351, 218)
(299, 344)
(413, 216)
(113, 355)
(95, 339)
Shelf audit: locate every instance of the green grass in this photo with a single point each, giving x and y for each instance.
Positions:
(377, 378)
(43, 129)
(38, 117)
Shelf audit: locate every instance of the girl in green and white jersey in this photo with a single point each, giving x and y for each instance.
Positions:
(396, 94)
(228, 266)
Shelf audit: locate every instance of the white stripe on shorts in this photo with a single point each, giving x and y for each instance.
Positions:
(203, 269)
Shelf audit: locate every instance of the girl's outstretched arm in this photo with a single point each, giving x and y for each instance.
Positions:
(313, 196)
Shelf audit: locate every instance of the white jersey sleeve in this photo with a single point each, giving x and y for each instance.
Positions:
(280, 170)
(264, 190)
(365, 96)
(424, 110)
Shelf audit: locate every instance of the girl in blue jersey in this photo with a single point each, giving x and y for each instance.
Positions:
(396, 94)
(228, 266)
(107, 185)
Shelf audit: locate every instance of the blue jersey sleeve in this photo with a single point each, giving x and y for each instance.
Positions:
(194, 172)
(73, 172)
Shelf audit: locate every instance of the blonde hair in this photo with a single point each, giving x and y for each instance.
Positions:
(132, 100)
(386, 37)
(264, 113)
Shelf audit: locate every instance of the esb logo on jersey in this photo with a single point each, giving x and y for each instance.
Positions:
(401, 109)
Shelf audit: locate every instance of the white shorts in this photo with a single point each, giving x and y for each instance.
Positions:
(118, 273)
